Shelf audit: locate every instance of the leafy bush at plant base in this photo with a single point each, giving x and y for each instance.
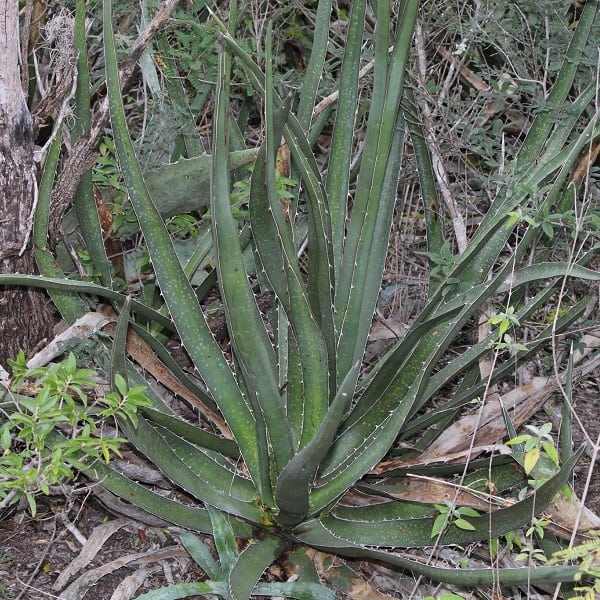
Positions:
(29, 464)
(306, 430)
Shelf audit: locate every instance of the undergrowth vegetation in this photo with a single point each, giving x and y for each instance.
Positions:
(258, 182)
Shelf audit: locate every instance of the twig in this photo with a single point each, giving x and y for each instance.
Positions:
(441, 175)
(72, 528)
(329, 100)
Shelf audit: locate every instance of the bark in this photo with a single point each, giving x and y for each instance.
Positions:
(25, 316)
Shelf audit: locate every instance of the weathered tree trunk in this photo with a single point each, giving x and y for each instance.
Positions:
(24, 313)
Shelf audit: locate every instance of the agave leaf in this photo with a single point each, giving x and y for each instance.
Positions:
(118, 360)
(202, 556)
(498, 471)
(172, 511)
(323, 539)
(70, 306)
(192, 434)
(538, 133)
(379, 415)
(294, 483)
(185, 590)
(387, 524)
(497, 224)
(294, 589)
(365, 246)
(566, 125)
(178, 294)
(248, 335)
(510, 278)
(277, 255)
(366, 279)
(198, 471)
(250, 565)
(427, 182)
(85, 202)
(84, 287)
(470, 356)
(340, 157)
(208, 465)
(314, 68)
(184, 186)
(320, 259)
(224, 538)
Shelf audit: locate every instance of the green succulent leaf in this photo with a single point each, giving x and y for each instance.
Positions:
(387, 524)
(277, 255)
(174, 285)
(191, 433)
(224, 539)
(246, 328)
(250, 565)
(185, 590)
(202, 556)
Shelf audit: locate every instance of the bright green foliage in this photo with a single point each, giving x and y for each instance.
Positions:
(537, 527)
(505, 321)
(124, 401)
(452, 515)
(304, 425)
(534, 444)
(41, 402)
(442, 262)
(529, 552)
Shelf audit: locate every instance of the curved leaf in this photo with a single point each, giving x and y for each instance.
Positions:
(294, 483)
(247, 331)
(276, 251)
(321, 538)
(202, 555)
(192, 434)
(174, 285)
(200, 472)
(185, 590)
(250, 565)
(388, 525)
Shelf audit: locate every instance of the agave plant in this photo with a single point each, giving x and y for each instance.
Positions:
(303, 429)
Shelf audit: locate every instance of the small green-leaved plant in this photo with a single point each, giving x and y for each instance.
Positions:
(442, 263)
(451, 515)
(241, 194)
(504, 340)
(537, 527)
(44, 401)
(183, 226)
(530, 552)
(536, 444)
